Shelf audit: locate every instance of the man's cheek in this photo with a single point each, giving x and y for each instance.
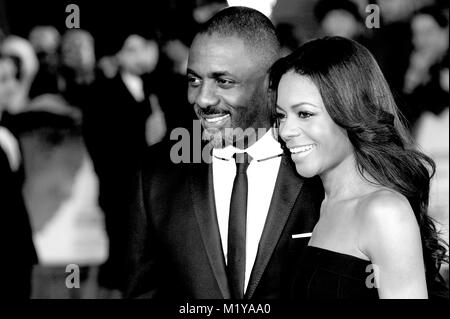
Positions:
(191, 97)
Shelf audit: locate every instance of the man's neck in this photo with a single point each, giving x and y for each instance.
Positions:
(265, 147)
(249, 141)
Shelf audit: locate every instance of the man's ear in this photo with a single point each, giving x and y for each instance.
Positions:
(266, 82)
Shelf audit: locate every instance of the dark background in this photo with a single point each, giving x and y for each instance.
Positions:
(109, 22)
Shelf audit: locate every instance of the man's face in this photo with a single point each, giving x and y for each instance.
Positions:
(340, 23)
(138, 55)
(77, 52)
(395, 10)
(8, 82)
(226, 85)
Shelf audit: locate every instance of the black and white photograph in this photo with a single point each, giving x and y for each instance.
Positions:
(224, 156)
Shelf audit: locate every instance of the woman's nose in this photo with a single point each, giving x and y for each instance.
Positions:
(289, 129)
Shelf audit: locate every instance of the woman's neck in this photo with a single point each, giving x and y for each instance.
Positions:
(344, 181)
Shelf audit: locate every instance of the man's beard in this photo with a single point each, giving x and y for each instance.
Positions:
(253, 121)
(216, 138)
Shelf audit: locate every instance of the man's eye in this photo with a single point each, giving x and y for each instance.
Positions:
(192, 81)
(225, 82)
(304, 115)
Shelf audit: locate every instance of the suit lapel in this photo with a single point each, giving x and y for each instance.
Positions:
(205, 211)
(287, 189)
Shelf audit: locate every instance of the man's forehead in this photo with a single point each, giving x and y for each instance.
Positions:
(223, 53)
(217, 42)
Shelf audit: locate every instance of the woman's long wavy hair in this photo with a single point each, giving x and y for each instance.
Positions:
(358, 99)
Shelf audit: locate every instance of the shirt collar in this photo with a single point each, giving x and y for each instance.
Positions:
(264, 148)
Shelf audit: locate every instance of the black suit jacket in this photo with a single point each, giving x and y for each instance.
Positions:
(18, 252)
(176, 249)
(114, 133)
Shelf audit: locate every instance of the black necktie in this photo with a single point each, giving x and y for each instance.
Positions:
(237, 224)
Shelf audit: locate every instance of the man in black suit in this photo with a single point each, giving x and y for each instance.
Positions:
(18, 251)
(215, 229)
(116, 112)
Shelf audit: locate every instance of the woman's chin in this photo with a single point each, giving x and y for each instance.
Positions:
(305, 172)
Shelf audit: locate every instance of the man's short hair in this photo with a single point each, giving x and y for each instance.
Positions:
(250, 25)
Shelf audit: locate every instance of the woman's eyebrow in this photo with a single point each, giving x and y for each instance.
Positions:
(293, 106)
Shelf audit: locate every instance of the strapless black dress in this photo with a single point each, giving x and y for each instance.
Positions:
(326, 274)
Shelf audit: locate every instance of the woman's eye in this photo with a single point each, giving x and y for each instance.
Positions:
(304, 115)
(280, 116)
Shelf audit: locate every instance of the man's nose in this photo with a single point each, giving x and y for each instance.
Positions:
(207, 96)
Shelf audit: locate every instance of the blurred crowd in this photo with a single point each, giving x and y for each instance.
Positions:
(73, 125)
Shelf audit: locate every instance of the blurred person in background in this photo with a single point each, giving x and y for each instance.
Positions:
(170, 82)
(108, 65)
(60, 192)
(137, 60)
(340, 18)
(18, 252)
(426, 69)
(288, 40)
(120, 120)
(77, 66)
(27, 66)
(393, 11)
(391, 44)
(205, 9)
(9, 80)
(427, 85)
(45, 41)
(2, 35)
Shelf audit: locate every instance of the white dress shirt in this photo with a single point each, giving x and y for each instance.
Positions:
(261, 174)
(10, 146)
(134, 85)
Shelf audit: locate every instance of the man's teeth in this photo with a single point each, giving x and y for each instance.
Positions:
(216, 119)
(301, 149)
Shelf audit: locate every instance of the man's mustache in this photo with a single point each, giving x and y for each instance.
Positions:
(210, 110)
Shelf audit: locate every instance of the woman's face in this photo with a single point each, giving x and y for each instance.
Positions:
(316, 143)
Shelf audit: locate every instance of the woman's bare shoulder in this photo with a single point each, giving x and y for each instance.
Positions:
(385, 218)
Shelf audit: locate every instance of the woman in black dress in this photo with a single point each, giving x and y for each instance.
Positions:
(338, 119)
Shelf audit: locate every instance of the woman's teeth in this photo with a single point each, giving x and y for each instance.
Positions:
(217, 119)
(301, 149)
